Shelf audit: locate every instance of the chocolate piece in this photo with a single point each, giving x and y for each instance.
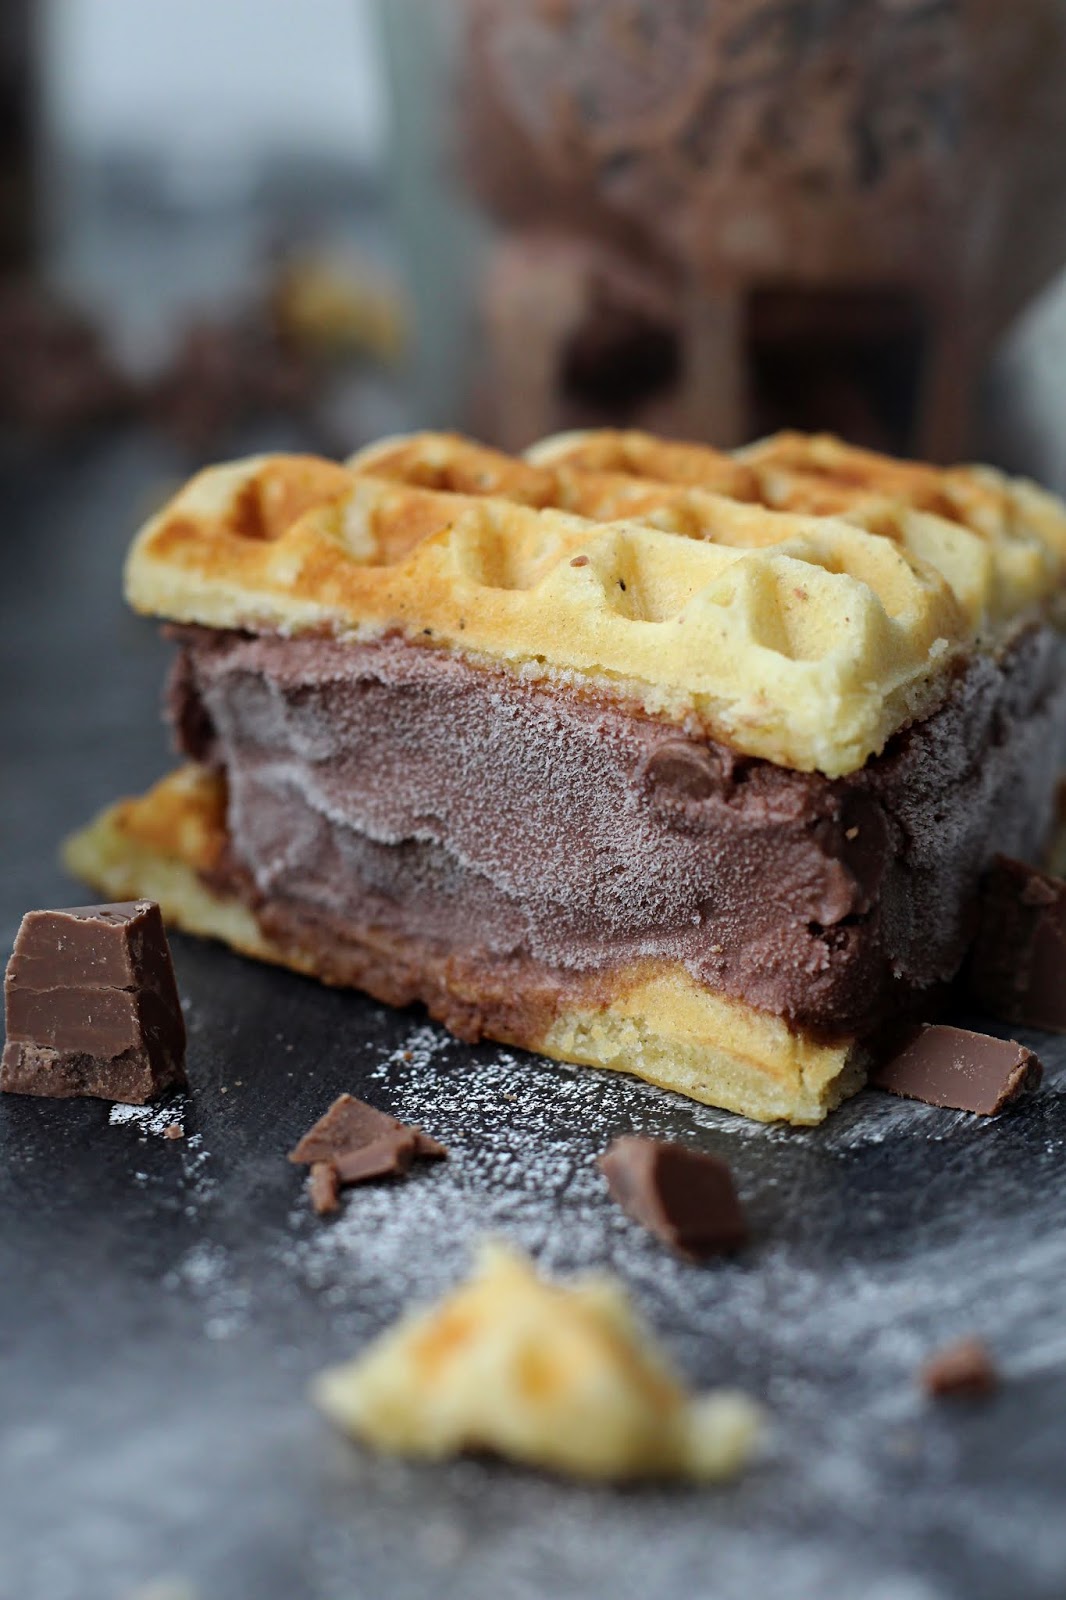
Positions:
(393, 1153)
(964, 1369)
(323, 1188)
(350, 1126)
(966, 1071)
(92, 1006)
(826, 902)
(684, 1197)
(347, 1125)
(353, 1143)
(1018, 967)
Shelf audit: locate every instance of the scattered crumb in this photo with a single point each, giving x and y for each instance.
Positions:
(323, 1188)
(562, 1377)
(350, 1126)
(964, 1369)
(174, 1130)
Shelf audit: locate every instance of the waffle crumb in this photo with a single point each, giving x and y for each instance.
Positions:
(561, 1377)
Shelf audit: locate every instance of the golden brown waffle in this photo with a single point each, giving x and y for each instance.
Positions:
(612, 565)
(821, 474)
(645, 455)
(810, 653)
(559, 1376)
(659, 1023)
(996, 579)
(1013, 559)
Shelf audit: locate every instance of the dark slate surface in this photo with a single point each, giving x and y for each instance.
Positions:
(163, 1303)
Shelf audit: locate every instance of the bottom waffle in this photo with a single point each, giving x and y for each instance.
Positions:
(651, 1019)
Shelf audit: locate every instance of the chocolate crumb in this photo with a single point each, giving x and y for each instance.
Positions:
(580, 561)
(351, 1124)
(354, 1143)
(323, 1189)
(386, 1157)
(173, 1130)
(964, 1369)
(955, 1068)
(686, 1198)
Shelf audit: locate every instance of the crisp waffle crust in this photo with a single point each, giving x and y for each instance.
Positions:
(810, 650)
(1000, 542)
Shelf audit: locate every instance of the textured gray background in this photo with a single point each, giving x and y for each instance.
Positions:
(162, 1304)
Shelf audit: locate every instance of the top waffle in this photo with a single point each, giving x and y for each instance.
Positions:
(1000, 542)
(804, 639)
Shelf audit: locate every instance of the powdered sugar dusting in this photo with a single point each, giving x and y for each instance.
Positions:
(149, 1119)
(835, 1304)
(524, 1137)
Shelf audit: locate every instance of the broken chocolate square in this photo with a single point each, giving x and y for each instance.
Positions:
(686, 1198)
(392, 1154)
(351, 1125)
(963, 1369)
(1018, 965)
(962, 1070)
(355, 1142)
(92, 1005)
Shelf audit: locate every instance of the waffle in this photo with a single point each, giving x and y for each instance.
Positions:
(587, 752)
(659, 1025)
(810, 653)
(997, 573)
(821, 474)
(1000, 542)
(562, 1377)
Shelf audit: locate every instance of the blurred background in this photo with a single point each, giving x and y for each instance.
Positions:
(236, 224)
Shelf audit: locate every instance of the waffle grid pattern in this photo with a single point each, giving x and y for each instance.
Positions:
(810, 652)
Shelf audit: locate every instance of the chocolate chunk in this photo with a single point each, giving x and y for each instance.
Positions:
(323, 1188)
(92, 1006)
(684, 1197)
(966, 1071)
(347, 1125)
(963, 1369)
(393, 1153)
(355, 1142)
(1018, 965)
(351, 1124)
